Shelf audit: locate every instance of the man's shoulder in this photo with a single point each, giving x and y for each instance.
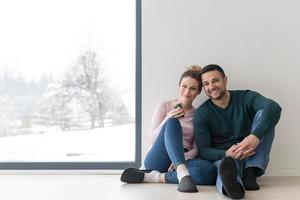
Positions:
(243, 93)
(202, 112)
(204, 107)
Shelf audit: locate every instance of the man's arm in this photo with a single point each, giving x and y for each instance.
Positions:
(270, 112)
(270, 116)
(203, 139)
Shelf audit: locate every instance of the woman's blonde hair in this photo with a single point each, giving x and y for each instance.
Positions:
(193, 71)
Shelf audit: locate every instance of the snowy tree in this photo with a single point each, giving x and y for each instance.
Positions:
(87, 78)
(54, 107)
(116, 109)
(84, 91)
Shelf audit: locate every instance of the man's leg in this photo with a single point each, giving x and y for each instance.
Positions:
(256, 165)
(229, 180)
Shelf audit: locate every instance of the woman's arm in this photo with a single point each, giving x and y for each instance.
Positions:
(159, 117)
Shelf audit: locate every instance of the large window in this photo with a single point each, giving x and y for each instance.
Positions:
(70, 84)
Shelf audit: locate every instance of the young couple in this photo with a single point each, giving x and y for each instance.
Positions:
(226, 141)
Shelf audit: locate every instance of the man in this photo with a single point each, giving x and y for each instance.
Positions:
(235, 130)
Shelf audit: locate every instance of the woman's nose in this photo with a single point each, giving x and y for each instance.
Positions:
(186, 92)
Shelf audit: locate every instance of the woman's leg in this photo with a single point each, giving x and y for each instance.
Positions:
(167, 148)
(156, 161)
(202, 172)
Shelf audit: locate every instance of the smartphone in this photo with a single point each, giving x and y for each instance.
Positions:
(178, 106)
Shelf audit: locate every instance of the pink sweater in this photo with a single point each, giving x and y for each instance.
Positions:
(160, 116)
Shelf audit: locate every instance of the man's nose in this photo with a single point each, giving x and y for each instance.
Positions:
(211, 87)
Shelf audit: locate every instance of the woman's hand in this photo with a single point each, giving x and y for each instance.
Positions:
(178, 111)
(171, 168)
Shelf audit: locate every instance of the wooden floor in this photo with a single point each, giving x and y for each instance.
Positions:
(100, 187)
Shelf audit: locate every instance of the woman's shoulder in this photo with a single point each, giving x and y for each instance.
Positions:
(166, 105)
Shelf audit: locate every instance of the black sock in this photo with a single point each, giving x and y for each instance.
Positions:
(132, 175)
(228, 173)
(249, 178)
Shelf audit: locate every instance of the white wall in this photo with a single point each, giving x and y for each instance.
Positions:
(256, 42)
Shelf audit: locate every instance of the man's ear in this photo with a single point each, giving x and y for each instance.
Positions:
(225, 80)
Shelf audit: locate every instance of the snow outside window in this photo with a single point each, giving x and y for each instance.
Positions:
(69, 84)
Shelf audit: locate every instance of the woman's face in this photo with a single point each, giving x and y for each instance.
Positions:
(188, 90)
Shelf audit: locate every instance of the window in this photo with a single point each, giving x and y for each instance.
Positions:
(70, 84)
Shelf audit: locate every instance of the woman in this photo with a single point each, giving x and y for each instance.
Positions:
(171, 158)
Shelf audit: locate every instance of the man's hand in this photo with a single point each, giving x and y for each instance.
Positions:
(247, 146)
(244, 149)
(249, 142)
(231, 152)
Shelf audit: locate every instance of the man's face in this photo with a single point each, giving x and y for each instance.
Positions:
(214, 84)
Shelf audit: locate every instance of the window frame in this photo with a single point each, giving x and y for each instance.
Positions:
(100, 165)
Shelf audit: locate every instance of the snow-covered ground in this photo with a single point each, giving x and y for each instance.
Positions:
(97, 145)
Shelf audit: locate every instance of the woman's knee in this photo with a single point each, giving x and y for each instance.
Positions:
(173, 122)
(172, 127)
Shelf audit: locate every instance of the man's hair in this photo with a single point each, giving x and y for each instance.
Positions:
(212, 67)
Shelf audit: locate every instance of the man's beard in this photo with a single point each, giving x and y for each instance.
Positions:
(221, 95)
